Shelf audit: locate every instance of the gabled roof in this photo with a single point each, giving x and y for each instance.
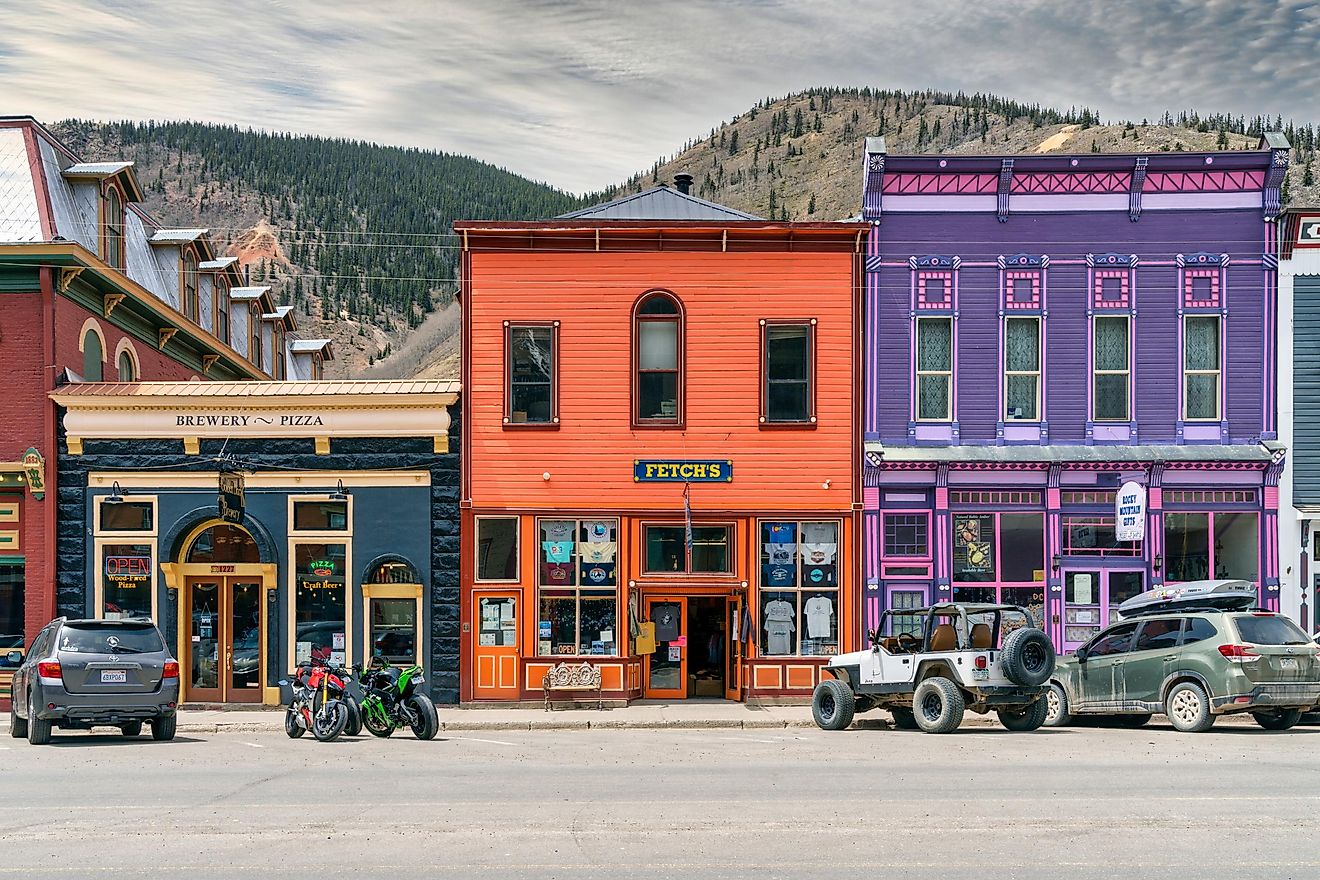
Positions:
(175, 236)
(283, 314)
(658, 203)
(218, 263)
(103, 170)
(313, 346)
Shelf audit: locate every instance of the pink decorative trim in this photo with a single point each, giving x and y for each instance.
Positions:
(1022, 289)
(1098, 298)
(941, 184)
(1109, 466)
(1039, 183)
(1190, 300)
(1203, 181)
(943, 301)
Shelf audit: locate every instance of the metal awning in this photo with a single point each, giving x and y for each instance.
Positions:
(1263, 453)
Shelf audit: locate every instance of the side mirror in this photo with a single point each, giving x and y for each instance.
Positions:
(14, 658)
(874, 636)
(1081, 655)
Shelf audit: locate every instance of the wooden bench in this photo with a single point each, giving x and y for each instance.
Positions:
(572, 677)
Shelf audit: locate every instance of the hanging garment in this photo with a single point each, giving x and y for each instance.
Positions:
(778, 576)
(778, 609)
(819, 576)
(779, 636)
(820, 533)
(599, 531)
(819, 554)
(557, 574)
(597, 574)
(780, 554)
(597, 551)
(818, 611)
(781, 533)
(558, 551)
(668, 622)
(558, 529)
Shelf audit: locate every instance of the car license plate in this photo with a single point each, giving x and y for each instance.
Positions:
(1289, 663)
(980, 674)
(114, 676)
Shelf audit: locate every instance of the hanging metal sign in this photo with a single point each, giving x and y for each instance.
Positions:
(231, 499)
(1130, 512)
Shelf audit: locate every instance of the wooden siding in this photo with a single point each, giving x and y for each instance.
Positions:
(1306, 389)
(590, 454)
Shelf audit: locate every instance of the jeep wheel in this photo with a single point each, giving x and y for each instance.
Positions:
(938, 705)
(1028, 657)
(1188, 708)
(1023, 720)
(832, 705)
(904, 719)
(1056, 706)
(1277, 719)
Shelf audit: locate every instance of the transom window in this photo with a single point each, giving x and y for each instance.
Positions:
(532, 369)
(668, 551)
(1022, 369)
(934, 369)
(1111, 369)
(1201, 367)
(658, 361)
(788, 395)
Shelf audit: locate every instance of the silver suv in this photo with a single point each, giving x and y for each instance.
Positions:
(84, 673)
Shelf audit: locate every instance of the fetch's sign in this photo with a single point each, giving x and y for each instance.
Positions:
(703, 471)
(1130, 512)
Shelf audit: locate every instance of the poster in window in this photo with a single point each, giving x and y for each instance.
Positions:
(973, 545)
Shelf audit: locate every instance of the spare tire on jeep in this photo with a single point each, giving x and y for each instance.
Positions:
(1028, 657)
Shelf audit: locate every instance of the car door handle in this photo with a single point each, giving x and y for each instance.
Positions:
(1171, 657)
(1118, 662)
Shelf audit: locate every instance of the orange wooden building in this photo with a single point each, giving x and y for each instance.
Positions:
(659, 425)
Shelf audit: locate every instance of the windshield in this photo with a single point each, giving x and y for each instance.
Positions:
(92, 639)
(1270, 631)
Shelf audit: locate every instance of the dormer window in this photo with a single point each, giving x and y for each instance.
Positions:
(190, 305)
(277, 353)
(114, 227)
(254, 336)
(222, 308)
(316, 368)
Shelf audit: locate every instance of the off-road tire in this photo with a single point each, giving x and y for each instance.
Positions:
(938, 705)
(903, 718)
(427, 724)
(1028, 657)
(1024, 720)
(354, 725)
(1188, 708)
(1057, 713)
(17, 726)
(1278, 719)
(38, 732)
(1129, 720)
(832, 705)
(131, 728)
(291, 725)
(163, 728)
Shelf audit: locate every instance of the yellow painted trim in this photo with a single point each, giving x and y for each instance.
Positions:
(322, 445)
(9, 540)
(442, 445)
(346, 539)
(93, 325)
(192, 446)
(314, 483)
(8, 511)
(98, 571)
(166, 334)
(67, 276)
(126, 345)
(75, 445)
(110, 302)
(391, 591)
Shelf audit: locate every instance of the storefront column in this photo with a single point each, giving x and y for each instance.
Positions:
(943, 536)
(1053, 622)
(1304, 574)
(1155, 525)
(1269, 538)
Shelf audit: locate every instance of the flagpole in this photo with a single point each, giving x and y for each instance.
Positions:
(687, 522)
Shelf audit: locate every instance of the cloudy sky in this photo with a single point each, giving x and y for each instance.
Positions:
(582, 93)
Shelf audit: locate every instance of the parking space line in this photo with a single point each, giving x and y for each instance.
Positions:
(497, 742)
(253, 745)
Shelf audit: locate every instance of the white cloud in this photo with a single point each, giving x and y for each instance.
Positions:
(584, 92)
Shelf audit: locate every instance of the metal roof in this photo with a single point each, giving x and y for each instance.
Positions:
(280, 312)
(96, 169)
(1064, 454)
(248, 292)
(20, 218)
(309, 345)
(220, 263)
(258, 389)
(176, 236)
(658, 203)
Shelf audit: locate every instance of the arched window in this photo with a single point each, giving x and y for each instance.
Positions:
(254, 337)
(658, 360)
(127, 369)
(114, 227)
(223, 543)
(93, 355)
(222, 308)
(190, 305)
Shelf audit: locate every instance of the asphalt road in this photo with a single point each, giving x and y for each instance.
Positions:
(981, 803)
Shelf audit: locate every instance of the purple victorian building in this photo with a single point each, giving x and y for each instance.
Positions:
(1043, 330)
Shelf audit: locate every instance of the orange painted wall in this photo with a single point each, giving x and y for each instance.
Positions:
(590, 455)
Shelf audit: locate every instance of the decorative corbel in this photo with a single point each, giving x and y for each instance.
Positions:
(209, 361)
(165, 335)
(67, 274)
(111, 301)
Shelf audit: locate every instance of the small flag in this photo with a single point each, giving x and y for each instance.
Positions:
(687, 519)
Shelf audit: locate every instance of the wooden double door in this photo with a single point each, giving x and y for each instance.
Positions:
(698, 648)
(225, 639)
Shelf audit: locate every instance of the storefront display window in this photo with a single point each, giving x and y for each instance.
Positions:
(320, 516)
(1000, 558)
(799, 588)
(578, 577)
(666, 550)
(906, 535)
(394, 630)
(319, 608)
(126, 581)
(11, 605)
(497, 548)
(1198, 546)
(1095, 535)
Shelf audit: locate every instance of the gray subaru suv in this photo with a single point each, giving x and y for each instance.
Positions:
(85, 673)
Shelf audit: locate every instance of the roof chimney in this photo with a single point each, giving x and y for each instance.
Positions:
(683, 182)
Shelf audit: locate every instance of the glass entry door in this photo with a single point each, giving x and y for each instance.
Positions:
(666, 668)
(733, 648)
(224, 649)
(1091, 599)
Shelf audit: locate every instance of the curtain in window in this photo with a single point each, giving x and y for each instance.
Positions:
(1201, 353)
(1021, 356)
(934, 355)
(1111, 354)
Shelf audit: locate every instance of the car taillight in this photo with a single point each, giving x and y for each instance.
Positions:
(980, 662)
(49, 669)
(171, 670)
(1240, 653)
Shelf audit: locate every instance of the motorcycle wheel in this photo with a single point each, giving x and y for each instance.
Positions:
(328, 721)
(291, 725)
(375, 727)
(421, 717)
(354, 725)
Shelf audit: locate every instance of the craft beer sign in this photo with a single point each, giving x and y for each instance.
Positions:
(1130, 512)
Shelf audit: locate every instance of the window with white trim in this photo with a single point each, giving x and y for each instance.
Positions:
(934, 370)
(1111, 369)
(1022, 369)
(1202, 368)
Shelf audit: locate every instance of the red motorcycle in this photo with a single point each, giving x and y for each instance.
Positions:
(319, 701)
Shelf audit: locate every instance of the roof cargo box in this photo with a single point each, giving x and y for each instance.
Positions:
(1220, 595)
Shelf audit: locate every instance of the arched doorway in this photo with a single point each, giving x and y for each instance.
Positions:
(223, 615)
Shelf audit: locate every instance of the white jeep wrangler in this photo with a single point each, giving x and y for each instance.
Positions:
(935, 663)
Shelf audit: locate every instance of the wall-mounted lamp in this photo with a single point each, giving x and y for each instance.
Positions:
(546, 476)
(116, 494)
(825, 485)
(1159, 562)
(340, 493)
(1056, 563)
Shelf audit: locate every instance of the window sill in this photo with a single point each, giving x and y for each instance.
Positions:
(659, 426)
(779, 426)
(532, 426)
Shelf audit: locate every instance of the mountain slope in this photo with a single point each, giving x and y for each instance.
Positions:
(357, 236)
(799, 157)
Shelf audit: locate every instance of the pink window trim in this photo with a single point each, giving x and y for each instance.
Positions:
(1098, 278)
(1070, 519)
(1189, 276)
(928, 558)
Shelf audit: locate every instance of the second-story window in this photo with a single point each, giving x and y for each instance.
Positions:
(114, 227)
(787, 395)
(1201, 368)
(530, 395)
(1111, 369)
(1022, 369)
(277, 354)
(934, 369)
(658, 361)
(222, 309)
(190, 305)
(254, 337)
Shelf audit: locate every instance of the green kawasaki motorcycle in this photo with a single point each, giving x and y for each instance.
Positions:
(392, 699)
